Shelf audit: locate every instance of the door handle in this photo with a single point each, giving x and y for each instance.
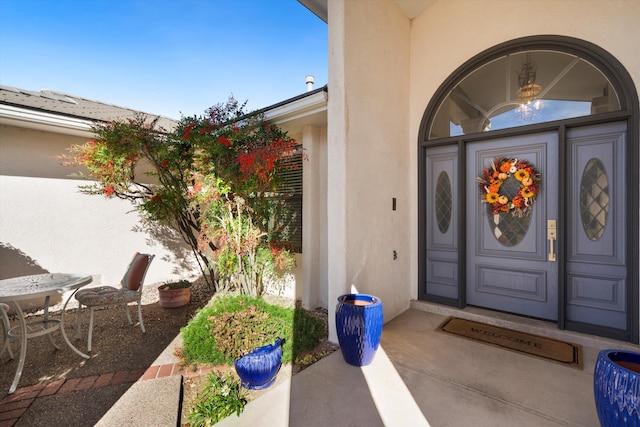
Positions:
(552, 235)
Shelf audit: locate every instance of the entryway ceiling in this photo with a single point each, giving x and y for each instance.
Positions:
(413, 8)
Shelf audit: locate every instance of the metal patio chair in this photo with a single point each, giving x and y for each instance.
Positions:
(4, 308)
(130, 290)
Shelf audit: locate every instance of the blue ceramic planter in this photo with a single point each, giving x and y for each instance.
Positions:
(359, 320)
(258, 370)
(616, 388)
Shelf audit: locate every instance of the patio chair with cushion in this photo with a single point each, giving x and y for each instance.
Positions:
(130, 290)
(4, 308)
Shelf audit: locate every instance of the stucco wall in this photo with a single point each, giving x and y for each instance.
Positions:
(47, 224)
(313, 283)
(368, 158)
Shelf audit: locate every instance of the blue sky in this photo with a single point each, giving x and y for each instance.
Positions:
(161, 56)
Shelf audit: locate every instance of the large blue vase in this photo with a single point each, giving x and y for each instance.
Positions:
(616, 388)
(258, 370)
(359, 320)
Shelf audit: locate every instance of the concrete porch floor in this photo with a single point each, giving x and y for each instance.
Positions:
(420, 377)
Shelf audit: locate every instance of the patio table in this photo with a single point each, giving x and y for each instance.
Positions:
(22, 288)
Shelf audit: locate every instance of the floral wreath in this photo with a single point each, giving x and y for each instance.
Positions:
(503, 169)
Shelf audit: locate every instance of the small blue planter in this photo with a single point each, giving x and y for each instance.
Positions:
(616, 388)
(359, 320)
(258, 370)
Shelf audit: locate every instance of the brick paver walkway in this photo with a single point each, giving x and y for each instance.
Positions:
(13, 406)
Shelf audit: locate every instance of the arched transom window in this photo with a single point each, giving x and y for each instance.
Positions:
(524, 88)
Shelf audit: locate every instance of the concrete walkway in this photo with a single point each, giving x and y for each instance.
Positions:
(28, 405)
(418, 378)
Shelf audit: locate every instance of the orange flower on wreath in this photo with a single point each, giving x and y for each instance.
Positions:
(518, 202)
(493, 188)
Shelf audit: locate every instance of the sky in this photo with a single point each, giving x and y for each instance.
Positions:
(169, 57)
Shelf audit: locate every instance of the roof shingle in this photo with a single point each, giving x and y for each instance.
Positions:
(72, 106)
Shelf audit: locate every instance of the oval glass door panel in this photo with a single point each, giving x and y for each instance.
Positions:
(508, 228)
(594, 199)
(443, 202)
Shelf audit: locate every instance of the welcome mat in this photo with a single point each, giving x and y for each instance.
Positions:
(561, 352)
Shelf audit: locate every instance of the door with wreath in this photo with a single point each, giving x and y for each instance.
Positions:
(511, 218)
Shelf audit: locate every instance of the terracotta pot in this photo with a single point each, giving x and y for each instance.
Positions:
(173, 298)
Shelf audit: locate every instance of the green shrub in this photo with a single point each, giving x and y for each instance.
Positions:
(240, 332)
(223, 396)
(234, 325)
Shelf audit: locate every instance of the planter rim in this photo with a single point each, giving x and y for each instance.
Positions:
(625, 353)
(165, 287)
(262, 349)
(374, 300)
(609, 351)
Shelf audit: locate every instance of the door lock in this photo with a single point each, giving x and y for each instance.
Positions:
(552, 235)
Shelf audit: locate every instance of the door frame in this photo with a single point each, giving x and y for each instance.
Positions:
(629, 113)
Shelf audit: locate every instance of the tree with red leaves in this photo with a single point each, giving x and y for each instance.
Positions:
(213, 179)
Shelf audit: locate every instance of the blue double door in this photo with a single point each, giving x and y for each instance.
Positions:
(563, 259)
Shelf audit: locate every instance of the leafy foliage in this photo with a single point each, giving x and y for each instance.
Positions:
(223, 396)
(235, 325)
(214, 180)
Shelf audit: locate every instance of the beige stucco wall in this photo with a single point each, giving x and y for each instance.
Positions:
(47, 224)
(313, 283)
(368, 160)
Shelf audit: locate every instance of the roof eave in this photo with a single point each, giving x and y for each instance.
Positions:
(44, 121)
(299, 107)
(317, 7)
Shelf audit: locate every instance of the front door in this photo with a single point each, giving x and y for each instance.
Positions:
(511, 259)
(571, 256)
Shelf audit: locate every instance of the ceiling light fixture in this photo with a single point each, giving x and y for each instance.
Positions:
(528, 89)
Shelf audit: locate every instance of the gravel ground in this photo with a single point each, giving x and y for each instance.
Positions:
(116, 345)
